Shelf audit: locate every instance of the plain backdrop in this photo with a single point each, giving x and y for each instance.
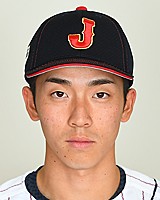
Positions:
(21, 140)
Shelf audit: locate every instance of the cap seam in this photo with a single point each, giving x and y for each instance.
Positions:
(40, 40)
(120, 40)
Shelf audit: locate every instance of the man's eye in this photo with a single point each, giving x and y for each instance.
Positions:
(101, 95)
(59, 94)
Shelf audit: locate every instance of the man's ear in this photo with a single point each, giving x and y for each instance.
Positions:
(128, 108)
(30, 104)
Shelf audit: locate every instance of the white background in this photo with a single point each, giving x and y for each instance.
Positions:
(21, 140)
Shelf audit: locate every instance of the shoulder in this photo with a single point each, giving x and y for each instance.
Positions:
(144, 185)
(14, 189)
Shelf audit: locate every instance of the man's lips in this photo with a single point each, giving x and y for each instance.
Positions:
(80, 142)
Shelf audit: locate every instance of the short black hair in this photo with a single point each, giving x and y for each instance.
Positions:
(32, 85)
(126, 86)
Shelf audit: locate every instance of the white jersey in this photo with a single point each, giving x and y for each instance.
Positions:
(137, 187)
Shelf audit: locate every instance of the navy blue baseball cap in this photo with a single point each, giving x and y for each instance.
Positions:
(80, 38)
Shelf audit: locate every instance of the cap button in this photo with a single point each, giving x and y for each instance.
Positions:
(81, 8)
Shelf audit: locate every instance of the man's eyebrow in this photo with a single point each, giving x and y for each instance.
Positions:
(58, 81)
(90, 83)
(100, 82)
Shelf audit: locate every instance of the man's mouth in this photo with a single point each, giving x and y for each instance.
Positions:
(80, 142)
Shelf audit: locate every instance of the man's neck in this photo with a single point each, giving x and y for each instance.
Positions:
(57, 183)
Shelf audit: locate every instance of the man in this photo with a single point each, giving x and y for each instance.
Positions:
(80, 70)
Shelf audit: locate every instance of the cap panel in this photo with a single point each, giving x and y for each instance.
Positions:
(106, 47)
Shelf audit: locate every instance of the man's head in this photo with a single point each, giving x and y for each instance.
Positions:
(79, 68)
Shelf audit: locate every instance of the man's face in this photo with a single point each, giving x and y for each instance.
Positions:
(80, 111)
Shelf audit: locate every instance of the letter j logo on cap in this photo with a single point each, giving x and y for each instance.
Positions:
(75, 39)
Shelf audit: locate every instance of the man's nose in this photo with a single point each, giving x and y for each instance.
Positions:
(80, 115)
